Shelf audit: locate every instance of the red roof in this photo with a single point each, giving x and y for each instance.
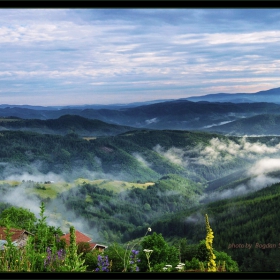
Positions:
(16, 233)
(80, 237)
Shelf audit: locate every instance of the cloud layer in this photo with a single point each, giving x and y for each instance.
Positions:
(51, 56)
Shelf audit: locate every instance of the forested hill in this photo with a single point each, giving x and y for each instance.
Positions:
(64, 125)
(143, 155)
(132, 156)
(252, 219)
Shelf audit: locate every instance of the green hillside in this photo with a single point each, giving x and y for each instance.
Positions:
(251, 219)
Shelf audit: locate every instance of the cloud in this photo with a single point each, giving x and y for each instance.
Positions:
(154, 120)
(111, 55)
(260, 180)
(17, 196)
(141, 159)
(221, 123)
(265, 165)
(174, 155)
(224, 150)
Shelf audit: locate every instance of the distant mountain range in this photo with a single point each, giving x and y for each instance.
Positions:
(223, 113)
(175, 115)
(271, 95)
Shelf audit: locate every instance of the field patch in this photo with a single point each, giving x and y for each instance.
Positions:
(113, 185)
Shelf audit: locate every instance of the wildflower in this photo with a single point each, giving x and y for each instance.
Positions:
(148, 254)
(209, 241)
(103, 263)
(134, 260)
(167, 267)
(147, 250)
(149, 229)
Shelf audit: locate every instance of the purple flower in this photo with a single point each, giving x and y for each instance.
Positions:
(103, 263)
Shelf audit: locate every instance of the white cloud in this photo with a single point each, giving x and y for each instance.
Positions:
(149, 53)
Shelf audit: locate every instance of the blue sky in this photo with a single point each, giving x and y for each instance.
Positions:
(105, 56)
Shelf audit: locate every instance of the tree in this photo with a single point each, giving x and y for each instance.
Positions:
(162, 252)
(230, 264)
(18, 218)
(202, 253)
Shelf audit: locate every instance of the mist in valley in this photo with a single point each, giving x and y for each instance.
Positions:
(262, 158)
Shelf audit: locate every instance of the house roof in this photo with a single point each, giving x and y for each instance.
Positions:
(94, 245)
(80, 237)
(15, 233)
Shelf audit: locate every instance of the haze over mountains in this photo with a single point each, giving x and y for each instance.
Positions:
(271, 95)
(181, 114)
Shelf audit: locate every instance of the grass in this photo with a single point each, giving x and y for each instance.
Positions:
(113, 185)
(51, 190)
(12, 183)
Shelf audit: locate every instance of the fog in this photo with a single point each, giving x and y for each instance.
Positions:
(260, 180)
(218, 151)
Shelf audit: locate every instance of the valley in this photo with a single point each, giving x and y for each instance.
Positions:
(114, 172)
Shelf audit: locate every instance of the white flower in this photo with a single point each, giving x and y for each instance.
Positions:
(168, 265)
(147, 250)
(180, 266)
(149, 229)
(164, 268)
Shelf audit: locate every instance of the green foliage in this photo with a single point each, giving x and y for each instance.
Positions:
(18, 218)
(194, 264)
(203, 254)
(230, 264)
(73, 261)
(83, 248)
(116, 255)
(90, 259)
(161, 252)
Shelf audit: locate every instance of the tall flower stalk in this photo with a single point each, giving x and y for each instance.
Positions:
(209, 242)
(148, 254)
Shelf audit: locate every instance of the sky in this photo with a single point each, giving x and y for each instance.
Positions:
(107, 56)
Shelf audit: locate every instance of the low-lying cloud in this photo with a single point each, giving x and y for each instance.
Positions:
(141, 159)
(218, 151)
(174, 155)
(261, 179)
